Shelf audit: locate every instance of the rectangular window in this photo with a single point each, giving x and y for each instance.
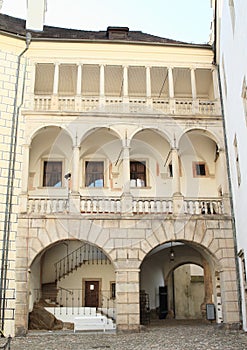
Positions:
(232, 13)
(235, 145)
(113, 290)
(94, 174)
(200, 169)
(137, 174)
(244, 98)
(170, 170)
(52, 174)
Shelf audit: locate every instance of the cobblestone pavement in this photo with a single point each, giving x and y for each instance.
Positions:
(167, 336)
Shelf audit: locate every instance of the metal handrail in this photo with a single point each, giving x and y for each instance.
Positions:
(6, 346)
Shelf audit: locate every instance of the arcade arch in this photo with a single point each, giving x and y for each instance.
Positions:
(66, 273)
(179, 279)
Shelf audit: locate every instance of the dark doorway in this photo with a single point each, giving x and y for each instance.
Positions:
(163, 302)
(92, 293)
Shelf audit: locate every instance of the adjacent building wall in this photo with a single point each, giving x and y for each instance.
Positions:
(231, 47)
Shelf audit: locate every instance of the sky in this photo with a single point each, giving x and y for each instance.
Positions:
(184, 20)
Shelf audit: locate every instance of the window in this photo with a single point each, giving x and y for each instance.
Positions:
(244, 97)
(94, 174)
(232, 13)
(200, 169)
(170, 170)
(137, 174)
(243, 268)
(235, 145)
(113, 290)
(52, 174)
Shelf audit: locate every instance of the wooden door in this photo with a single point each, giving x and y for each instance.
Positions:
(92, 293)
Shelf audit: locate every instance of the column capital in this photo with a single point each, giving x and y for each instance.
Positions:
(75, 147)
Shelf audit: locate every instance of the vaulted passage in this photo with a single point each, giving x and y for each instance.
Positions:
(176, 281)
(71, 279)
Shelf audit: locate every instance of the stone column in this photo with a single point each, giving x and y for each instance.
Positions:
(74, 198)
(75, 169)
(171, 90)
(125, 85)
(177, 196)
(148, 85)
(170, 82)
(102, 84)
(175, 172)
(54, 101)
(193, 83)
(127, 299)
(126, 169)
(79, 77)
(126, 198)
(208, 287)
(25, 179)
(195, 106)
(78, 87)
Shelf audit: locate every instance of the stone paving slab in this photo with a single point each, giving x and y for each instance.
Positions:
(166, 337)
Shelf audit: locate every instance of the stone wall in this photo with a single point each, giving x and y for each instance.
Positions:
(127, 242)
(10, 100)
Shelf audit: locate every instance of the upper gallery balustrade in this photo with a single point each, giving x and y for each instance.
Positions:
(130, 89)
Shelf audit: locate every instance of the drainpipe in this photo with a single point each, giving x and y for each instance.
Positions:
(228, 168)
(10, 183)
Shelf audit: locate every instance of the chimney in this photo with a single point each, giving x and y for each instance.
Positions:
(36, 14)
(117, 33)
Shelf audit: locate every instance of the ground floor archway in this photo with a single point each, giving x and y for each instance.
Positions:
(139, 249)
(178, 278)
(69, 279)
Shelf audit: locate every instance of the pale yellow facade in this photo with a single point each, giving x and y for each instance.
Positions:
(147, 117)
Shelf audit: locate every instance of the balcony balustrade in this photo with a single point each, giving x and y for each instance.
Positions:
(132, 105)
(115, 206)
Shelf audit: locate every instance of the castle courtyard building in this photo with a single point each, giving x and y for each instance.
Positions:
(115, 195)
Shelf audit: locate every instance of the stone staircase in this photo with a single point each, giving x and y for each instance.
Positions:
(83, 318)
(86, 254)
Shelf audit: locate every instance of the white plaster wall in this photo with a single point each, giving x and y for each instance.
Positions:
(53, 255)
(195, 147)
(233, 52)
